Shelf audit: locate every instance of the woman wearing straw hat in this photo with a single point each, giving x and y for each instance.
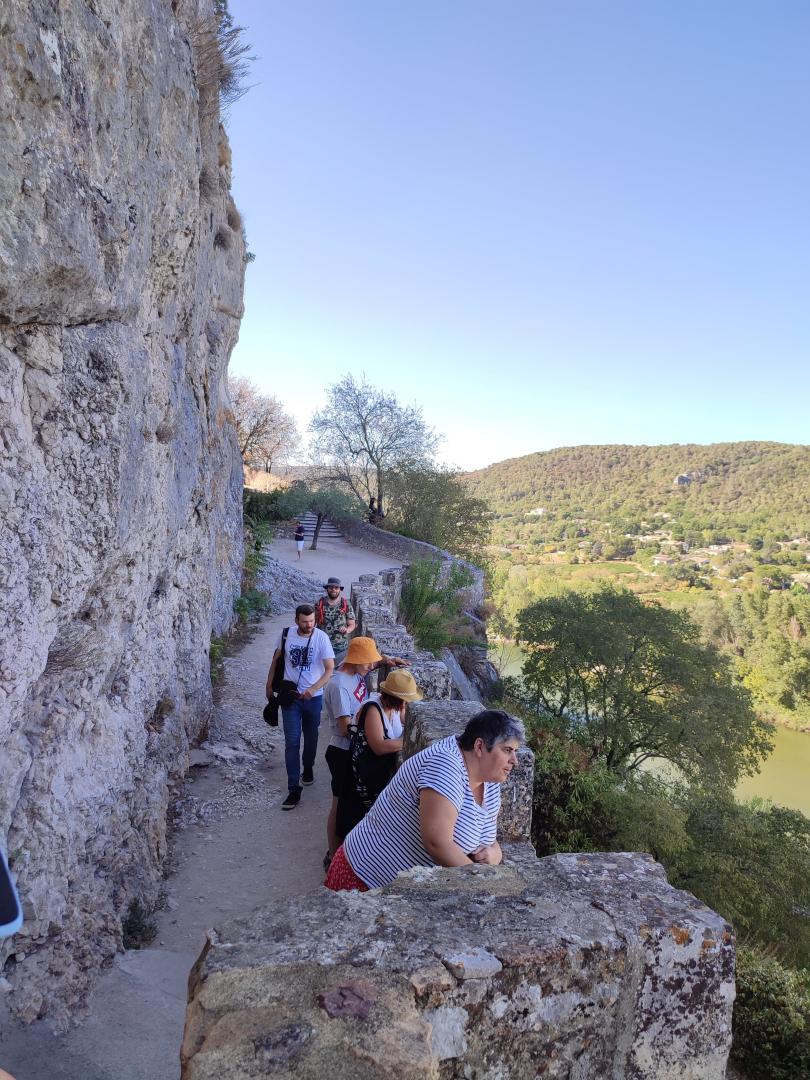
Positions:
(376, 739)
(344, 695)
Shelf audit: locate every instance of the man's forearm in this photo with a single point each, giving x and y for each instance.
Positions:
(321, 683)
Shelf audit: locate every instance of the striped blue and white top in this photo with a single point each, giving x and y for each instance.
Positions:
(389, 839)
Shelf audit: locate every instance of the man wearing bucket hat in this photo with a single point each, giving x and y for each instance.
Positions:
(376, 738)
(335, 616)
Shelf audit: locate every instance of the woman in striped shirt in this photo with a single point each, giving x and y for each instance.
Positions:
(440, 808)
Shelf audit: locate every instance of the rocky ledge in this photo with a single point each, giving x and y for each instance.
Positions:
(574, 966)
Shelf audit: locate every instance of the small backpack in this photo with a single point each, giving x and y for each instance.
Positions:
(371, 771)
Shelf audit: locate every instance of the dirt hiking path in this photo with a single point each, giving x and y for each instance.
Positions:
(232, 849)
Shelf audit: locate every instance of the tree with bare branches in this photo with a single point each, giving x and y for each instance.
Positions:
(265, 431)
(363, 435)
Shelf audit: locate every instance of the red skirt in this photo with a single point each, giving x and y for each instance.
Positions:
(341, 876)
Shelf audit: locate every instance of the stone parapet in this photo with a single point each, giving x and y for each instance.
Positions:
(428, 721)
(375, 599)
(407, 550)
(574, 966)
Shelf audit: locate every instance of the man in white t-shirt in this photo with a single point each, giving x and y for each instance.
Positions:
(308, 664)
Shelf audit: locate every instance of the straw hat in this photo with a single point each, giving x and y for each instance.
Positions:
(362, 650)
(401, 684)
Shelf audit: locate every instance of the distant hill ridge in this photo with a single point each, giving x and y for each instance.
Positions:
(741, 487)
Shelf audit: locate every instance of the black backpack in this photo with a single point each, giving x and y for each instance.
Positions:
(371, 771)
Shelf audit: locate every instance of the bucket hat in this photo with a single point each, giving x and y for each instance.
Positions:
(362, 650)
(401, 684)
(333, 581)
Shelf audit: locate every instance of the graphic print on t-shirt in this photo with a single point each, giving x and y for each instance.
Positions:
(300, 656)
(360, 690)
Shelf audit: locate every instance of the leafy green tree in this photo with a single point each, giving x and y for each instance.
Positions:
(364, 435)
(771, 1023)
(751, 862)
(429, 502)
(325, 501)
(634, 682)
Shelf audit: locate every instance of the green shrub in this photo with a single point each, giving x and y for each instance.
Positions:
(251, 605)
(262, 505)
(431, 608)
(137, 927)
(771, 1024)
(751, 863)
(216, 652)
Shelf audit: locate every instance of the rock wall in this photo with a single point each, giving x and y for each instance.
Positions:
(573, 967)
(121, 275)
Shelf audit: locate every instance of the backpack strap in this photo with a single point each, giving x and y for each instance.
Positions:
(360, 718)
(278, 674)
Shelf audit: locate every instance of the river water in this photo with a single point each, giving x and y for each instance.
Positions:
(784, 777)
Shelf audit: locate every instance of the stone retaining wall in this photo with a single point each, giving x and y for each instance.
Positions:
(406, 550)
(580, 967)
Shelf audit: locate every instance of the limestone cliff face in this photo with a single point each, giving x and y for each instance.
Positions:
(121, 274)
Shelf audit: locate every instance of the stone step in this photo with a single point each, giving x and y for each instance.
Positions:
(328, 529)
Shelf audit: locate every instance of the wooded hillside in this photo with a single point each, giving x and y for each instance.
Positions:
(740, 490)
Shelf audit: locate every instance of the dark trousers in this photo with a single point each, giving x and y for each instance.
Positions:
(302, 717)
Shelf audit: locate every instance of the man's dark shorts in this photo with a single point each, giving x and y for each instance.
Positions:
(340, 766)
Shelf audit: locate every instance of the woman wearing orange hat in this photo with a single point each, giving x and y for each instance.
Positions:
(345, 693)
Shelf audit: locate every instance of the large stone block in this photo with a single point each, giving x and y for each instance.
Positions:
(428, 721)
(392, 640)
(432, 676)
(575, 967)
(372, 607)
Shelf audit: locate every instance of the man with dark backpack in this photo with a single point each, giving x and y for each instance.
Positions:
(306, 658)
(335, 616)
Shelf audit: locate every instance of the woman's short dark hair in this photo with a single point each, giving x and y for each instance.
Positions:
(493, 726)
(389, 702)
(304, 609)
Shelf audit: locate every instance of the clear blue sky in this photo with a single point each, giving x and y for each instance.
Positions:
(545, 223)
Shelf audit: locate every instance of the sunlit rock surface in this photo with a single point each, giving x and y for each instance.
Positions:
(121, 273)
(575, 966)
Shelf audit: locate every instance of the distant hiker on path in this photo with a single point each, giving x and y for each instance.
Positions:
(335, 616)
(308, 664)
(299, 538)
